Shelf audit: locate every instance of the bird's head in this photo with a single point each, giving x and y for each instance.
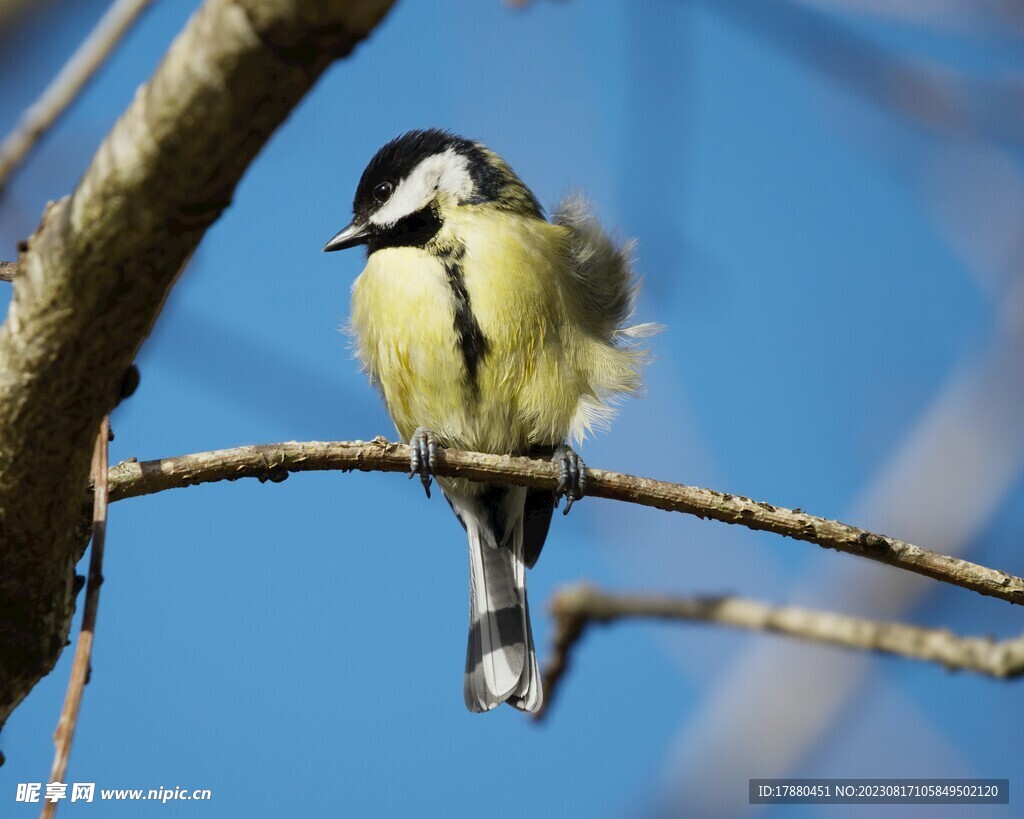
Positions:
(416, 181)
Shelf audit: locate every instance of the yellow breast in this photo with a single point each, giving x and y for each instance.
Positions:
(403, 315)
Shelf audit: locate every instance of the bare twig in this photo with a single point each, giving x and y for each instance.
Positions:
(67, 85)
(7, 271)
(576, 607)
(569, 628)
(81, 665)
(275, 461)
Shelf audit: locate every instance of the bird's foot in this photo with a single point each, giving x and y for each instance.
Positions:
(423, 458)
(572, 476)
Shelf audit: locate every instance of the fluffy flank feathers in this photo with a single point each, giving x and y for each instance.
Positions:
(603, 290)
(601, 268)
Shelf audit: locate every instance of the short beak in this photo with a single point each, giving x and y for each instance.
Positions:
(358, 233)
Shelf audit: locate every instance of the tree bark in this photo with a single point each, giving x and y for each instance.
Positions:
(96, 272)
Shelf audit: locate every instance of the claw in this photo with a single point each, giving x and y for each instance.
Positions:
(423, 456)
(572, 477)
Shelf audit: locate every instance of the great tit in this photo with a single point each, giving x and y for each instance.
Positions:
(487, 327)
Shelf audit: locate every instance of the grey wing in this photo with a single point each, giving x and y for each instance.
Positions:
(602, 277)
(540, 504)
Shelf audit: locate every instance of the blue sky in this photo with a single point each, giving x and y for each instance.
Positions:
(828, 291)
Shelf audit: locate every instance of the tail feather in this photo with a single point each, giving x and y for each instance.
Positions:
(496, 627)
(529, 696)
(500, 662)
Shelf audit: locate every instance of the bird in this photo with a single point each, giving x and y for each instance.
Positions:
(487, 327)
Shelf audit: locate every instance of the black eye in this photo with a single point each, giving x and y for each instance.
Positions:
(383, 192)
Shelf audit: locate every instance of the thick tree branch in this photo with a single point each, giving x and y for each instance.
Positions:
(67, 85)
(7, 271)
(11, 10)
(274, 461)
(95, 274)
(576, 607)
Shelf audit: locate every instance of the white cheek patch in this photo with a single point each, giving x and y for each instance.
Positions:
(447, 172)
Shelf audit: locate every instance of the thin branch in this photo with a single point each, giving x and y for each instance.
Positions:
(67, 85)
(274, 462)
(577, 607)
(569, 628)
(80, 668)
(8, 271)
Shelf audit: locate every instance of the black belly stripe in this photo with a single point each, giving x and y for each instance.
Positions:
(420, 229)
(472, 342)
